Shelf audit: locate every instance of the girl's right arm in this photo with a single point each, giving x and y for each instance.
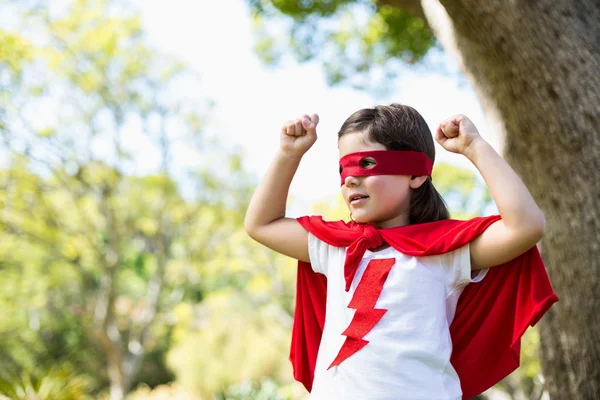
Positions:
(265, 219)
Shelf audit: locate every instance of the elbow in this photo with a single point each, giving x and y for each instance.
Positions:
(537, 226)
(250, 227)
(251, 233)
(253, 228)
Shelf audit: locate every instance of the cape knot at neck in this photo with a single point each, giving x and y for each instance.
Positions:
(373, 237)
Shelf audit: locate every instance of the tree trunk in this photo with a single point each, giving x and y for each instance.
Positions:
(536, 67)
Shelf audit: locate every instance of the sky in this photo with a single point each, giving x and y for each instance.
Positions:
(253, 101)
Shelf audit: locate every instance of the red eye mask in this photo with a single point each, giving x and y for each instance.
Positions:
(388, 162)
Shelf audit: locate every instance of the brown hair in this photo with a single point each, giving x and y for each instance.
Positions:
(400, 127)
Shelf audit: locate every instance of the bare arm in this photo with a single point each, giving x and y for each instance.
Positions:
(522, 224)
(265, 218)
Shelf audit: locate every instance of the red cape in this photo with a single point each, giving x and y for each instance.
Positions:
(490, 318)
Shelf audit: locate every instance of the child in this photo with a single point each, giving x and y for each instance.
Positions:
(392, 325)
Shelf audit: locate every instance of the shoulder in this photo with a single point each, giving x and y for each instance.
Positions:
(335, 233)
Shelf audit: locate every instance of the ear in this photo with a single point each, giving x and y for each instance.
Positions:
(417, 181)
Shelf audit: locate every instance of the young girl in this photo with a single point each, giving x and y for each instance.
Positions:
(392, 325)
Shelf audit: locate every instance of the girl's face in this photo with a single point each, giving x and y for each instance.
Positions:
(382, 200)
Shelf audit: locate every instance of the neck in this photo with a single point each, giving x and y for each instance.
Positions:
(400, 220)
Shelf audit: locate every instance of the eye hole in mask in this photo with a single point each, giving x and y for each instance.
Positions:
(367, 163)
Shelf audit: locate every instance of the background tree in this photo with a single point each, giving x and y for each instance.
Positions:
(94, 255)
(536, 69)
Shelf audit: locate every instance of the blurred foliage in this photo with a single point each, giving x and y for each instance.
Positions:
(94, 255)
(170, 391)
(351, 39)
(464, 192)
(236, 341)
(55, 384)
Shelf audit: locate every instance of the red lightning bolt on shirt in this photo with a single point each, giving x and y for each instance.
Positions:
(366, 315)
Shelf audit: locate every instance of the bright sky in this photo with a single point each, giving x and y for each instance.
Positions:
(252, 101)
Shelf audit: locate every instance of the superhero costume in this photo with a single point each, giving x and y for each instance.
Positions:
(491, 316)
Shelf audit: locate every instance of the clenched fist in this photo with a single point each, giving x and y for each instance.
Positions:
(457, 134)
(297, 136)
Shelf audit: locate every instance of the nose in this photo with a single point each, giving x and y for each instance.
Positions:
(351, 181)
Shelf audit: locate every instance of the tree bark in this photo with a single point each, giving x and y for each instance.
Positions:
(535, 66)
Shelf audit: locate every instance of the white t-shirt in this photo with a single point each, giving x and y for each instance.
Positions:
(408, 354)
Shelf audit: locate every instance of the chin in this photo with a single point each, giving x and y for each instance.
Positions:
(362, 219)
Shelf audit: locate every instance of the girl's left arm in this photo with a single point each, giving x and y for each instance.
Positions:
(522, 224)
